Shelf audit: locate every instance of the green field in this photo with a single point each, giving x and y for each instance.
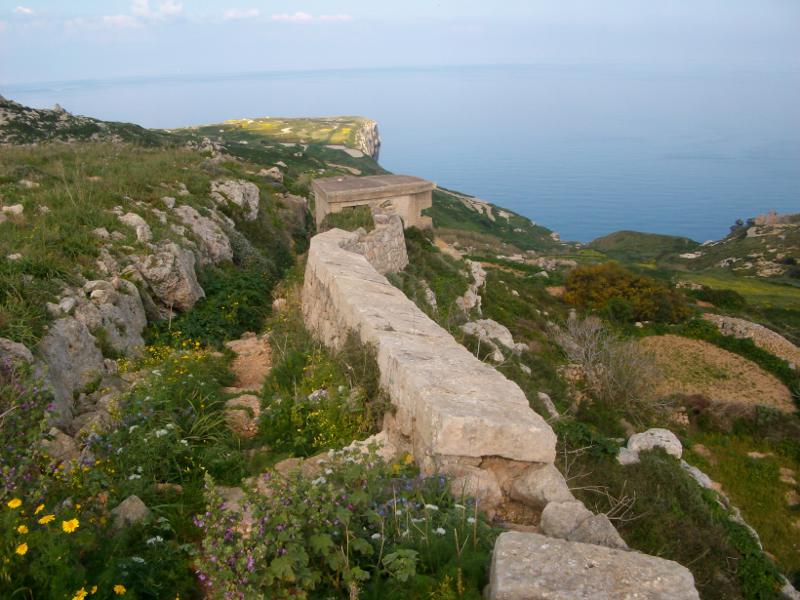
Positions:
(758, 292)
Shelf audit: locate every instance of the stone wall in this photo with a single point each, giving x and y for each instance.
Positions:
(461, 417)
(762, 337)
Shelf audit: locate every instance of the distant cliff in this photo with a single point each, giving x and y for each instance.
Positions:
(368, 140)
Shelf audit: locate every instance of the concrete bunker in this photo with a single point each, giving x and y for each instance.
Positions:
(403, 195)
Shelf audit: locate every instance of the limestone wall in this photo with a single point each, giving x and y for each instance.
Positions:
(461, 417)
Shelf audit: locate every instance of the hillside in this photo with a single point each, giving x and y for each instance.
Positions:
(183, 362)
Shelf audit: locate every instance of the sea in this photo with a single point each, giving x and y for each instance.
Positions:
(582, 149)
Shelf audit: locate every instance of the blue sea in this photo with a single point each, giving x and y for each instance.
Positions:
(582, 149)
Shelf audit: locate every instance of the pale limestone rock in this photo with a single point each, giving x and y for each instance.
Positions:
(540, 485)
(471, 299)
(101, 232)
(656, 438)
(278, 305)
(14, 351)
(547, 402)
(129, 512)
(13, 209)
(243, 194)
(273, 173)
(627, 457)
(168, 201)
(384, 247)
(215, 247)
(60, 447)
(118, 311)
(559, 519)
(73, 360)
(138, 224)
(242, 414)
(473, 482)
(170, 275)
(529, 566)
(492, 333)
(597, 529)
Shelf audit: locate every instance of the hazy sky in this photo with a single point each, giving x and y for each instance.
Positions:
(88, 39)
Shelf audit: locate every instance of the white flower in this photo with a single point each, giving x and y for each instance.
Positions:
(398, 511)
(169, 426)
(184, 442)
(155, 540)
(132, 428)
(461, 506)
(376, 536)
(138, 559)
(470, 520)
(161, 433)
(405, 533)
(431, 507)
(134, 476)
(328, 471)
(139, 469)
(439, 530)
(319, 480)
(417, 520)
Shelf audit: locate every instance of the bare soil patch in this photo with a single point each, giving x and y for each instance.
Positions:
(697, 367)
(252, 362)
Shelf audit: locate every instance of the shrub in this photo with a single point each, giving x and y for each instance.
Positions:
(349, 219)
(361, 528)
(729, 299)
(623, 294)
(617, 373)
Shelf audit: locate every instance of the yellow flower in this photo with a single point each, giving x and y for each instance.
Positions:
(69, 526)
(14, 503)
(23, 529)
(39, 509)
(94, 590)
(119, 589)
(46, 519)
(80, 594)
(22, 549)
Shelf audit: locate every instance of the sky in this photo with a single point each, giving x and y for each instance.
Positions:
(65, 40)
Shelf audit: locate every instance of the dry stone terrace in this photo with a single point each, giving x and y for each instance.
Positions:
(404, 195)
(461, 417)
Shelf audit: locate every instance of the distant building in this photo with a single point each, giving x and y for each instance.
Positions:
(404, 195)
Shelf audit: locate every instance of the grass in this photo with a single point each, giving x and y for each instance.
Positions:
(758, 292)
(635, 246)
(349, 219)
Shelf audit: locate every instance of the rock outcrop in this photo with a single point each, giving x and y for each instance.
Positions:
(169, 274)
(243, 194)
(368, 140)
(214, 245)
(762, 337)
(528, 566)
(494, 335)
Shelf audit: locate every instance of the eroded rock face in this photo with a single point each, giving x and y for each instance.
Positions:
(138, 224)
(214, 245)
(73, 360)
(243, 194)
(170, 274)
(528, 566)
(385, 246)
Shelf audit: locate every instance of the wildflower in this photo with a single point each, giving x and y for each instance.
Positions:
(376, 536)
(22, 549)
(80, 594)
(439, 530)
(39, 509)
(46, 519)
(14, 503)
(461, 506)
(93, 591)
(161, 433)
(119, 589)
(154, 540)
(138, 559)
(134, 476)
(431, 507)
(408, 459)
(470, 520)
(70, 526)
(319, 480)
(23, 529)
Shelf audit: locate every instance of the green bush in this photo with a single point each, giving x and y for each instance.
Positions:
(622, 294)
(728, 299)
(359, 529)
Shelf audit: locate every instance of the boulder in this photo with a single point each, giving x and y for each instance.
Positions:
(60, 447)
(118, 311)
(656, 438)
(215, 246)
(243, 194)
(529, 566)
(273, 173)
(138, 224)
(539, 485)
(492, 334)
(14, 351)
(73, 360)
(559, 519)
(170, 275)
(13, 209)
(599, 530)
(547, 402)
(242, 413)
(129, 512)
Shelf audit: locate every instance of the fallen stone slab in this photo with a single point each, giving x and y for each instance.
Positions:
(529, 566)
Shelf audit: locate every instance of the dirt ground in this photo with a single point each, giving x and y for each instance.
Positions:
(252, 362)
(697, 367)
